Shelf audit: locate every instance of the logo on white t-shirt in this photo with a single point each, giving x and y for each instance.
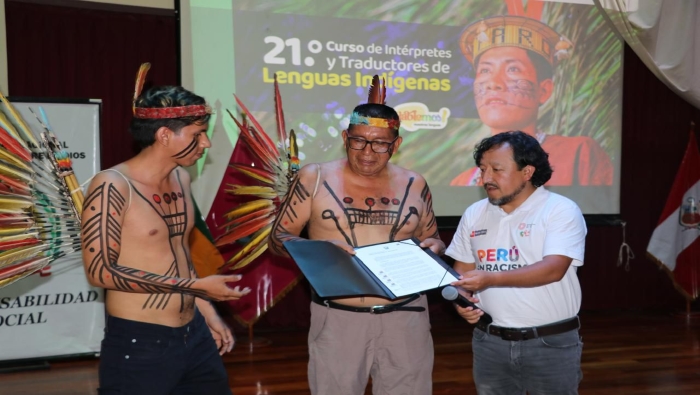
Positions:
(498, 254)
(480, 232)
(498, 259)
(524, 229)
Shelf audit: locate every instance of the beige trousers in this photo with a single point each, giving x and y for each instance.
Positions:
(395, 349)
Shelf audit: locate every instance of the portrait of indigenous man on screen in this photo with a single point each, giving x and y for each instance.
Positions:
(513, 59)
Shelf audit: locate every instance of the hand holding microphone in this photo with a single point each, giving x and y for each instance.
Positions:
(452, 294)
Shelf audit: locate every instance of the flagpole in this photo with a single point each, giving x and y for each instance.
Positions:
(688, 313)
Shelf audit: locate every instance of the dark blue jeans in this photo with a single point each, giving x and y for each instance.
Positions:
(141, 358)
(549, 365)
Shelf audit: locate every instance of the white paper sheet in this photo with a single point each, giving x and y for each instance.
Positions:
(404, 267)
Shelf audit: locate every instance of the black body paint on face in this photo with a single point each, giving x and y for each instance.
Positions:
(188, 150)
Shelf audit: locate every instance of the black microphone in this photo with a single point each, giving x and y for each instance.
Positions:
(450, 293)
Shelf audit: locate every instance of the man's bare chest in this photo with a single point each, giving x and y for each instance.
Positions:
(392, 209)
(156, 216)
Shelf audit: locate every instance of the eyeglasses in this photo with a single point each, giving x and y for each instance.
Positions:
(379, 147)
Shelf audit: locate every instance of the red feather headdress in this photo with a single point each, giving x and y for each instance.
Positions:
(196, 110)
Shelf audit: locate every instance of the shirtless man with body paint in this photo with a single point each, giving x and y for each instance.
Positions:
(162, 333)
(360, 200)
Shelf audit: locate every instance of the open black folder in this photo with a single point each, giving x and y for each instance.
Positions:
(333, 272)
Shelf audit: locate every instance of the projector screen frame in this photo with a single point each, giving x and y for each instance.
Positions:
(444, 222)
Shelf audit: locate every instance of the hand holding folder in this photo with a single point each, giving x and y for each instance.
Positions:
(389, 270)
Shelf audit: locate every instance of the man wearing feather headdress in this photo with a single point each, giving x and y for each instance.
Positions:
(513, 58)
(359, 200)
(162, 334)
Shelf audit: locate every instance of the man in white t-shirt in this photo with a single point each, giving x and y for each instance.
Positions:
(518, 251)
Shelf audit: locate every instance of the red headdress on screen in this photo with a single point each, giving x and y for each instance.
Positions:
(509, 31)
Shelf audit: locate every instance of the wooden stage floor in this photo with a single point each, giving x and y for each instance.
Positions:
(624, 353)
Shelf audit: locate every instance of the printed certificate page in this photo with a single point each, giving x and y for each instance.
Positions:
(404, 267)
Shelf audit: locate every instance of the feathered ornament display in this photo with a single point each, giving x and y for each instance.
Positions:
(40, 198)
(377, 91)
(140, 81)
(279, 164)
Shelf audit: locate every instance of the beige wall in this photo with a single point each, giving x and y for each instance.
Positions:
(186, 63)
(166, 4)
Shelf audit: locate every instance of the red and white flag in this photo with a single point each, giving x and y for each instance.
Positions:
(675, 243)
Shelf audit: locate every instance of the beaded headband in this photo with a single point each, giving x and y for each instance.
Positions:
(172, 112)
(377, 95)
(195, 110)
(357, 119)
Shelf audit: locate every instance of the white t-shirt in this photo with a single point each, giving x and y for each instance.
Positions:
(545, 224)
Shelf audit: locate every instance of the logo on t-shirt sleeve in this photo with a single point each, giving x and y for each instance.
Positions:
(479, 232)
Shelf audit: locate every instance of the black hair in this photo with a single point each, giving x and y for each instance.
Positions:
(543, 69)
(144, 130)
(526, 152)
(374, 110)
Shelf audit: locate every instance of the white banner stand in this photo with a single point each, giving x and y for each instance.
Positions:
(56, 313)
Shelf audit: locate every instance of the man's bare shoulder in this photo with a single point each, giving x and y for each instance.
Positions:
(109, 176)
(183, 175)
(308, 169)
(403, 173)
(312, 170)
(107, 188)
(333, 165)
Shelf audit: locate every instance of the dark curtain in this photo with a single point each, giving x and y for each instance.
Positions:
(70, 52)
(64, 51)
(655, 132)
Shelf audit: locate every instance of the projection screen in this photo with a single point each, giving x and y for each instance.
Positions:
(456, 72)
